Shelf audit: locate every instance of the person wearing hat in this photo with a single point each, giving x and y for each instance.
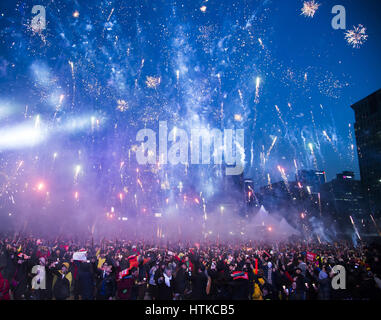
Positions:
(39, 280)
(300, 285)
(62, 282)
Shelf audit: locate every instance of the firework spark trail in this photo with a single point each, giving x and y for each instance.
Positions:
(317, 140)
(257, 84)
(284, 177)
(296, 169)
(140, 184)
(252, 153)
(331, 142)
(112, 11)
(356, 37)
(240, 96)
(375, 224)
(309, 8)
(311, 147)
(352, 146)
(354, 227)
(269, 181)
(73, 79)
(261, 43)
(319, 200)
(139, 73)
(271, 147)
(77, 172)
(280, 116)
(315, 130)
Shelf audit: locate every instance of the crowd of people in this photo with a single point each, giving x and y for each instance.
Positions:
(62, 269)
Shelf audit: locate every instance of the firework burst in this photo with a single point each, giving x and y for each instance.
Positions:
(357, 36)
(309, 8)
(122, 105)
(152, 82)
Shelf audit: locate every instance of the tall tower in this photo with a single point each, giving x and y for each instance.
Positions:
(368, 138)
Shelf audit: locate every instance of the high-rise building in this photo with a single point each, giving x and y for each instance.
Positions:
(312, 179)
(289, 198)
(343, 197)
(368, 137)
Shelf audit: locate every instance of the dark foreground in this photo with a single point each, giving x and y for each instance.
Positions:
(67, 269)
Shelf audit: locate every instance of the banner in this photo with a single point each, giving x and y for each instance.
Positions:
(80, 256)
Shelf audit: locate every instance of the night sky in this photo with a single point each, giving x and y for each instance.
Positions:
(73, 96)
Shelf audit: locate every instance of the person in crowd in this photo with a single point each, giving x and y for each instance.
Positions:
(4, 288)
(106, 283)
(165, 285)
(62, 282)
(86, 281)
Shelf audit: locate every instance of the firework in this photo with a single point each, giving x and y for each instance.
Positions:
(109, 16)
(153, 82)
(19, 165)
(73, 79)
(257, 83)
(284, 177)
(237, 117)
(37, 122)
(269, 181)
(122, 105)
(77, 172)
(375, 224)
(354, 227)
(326, 135)
(309, 8)
(357, 36)
(271, 147)
(40, 186)
(261, 43)
(280, 116)
(311, 147)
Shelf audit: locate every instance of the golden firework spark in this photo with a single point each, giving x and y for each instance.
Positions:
(122, 105)
(309, 8)
(357, 36)
(237, 117)
(153, 82)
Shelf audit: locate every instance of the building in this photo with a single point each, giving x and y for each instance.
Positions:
(368, 137)
(342, 197)
(289, 199)
(312, 179)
